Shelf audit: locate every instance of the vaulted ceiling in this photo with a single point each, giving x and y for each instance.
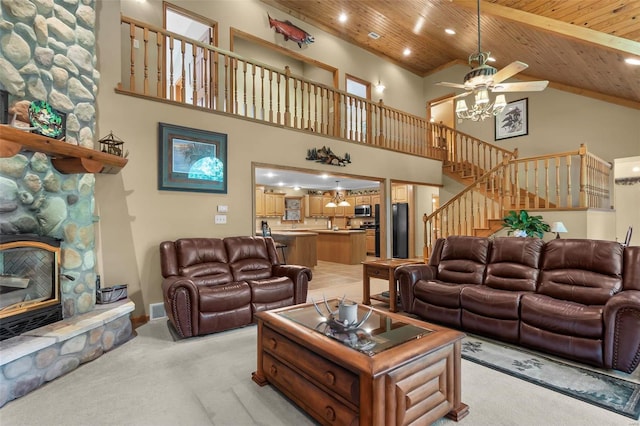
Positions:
(579, 46)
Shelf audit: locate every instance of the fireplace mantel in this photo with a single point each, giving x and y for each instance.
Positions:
(66, 158)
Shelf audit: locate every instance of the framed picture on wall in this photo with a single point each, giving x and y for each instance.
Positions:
(513, 120)
(191, 160)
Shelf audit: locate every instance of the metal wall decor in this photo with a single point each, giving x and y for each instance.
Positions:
(324, 155)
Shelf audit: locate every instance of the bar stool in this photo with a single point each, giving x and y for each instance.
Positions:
(282, 246)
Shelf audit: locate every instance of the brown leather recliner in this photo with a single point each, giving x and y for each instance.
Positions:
(576, 298)
(213, 284)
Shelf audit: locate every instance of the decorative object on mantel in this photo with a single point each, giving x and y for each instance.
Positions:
(524, 225)
(338, 200)
(324, 155)
(47, 120)
(290, 31)
(111, 144)
(558, 227)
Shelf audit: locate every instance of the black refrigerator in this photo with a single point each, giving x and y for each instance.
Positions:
(400, 230)
(376, 212)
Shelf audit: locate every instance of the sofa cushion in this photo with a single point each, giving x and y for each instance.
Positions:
(439, 293)
(271, 290)
(203, 259)
(224, 297)
(492, 303)
(513, 264)
(463, 260)
(250, 257)
(561, 316)
(583, 271)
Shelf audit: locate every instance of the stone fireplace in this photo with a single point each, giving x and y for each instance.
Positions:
(29, 283)
(48, 54)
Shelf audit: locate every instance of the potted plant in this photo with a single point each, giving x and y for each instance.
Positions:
(524, 225)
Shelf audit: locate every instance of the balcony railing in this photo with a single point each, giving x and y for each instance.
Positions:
(164, 65)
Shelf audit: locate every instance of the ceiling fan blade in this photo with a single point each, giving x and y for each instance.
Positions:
(450, 98)
(512, 69)
(447, 84)
(524, 86)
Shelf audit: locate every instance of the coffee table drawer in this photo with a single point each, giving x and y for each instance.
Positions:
(335, 378)
(305, 393)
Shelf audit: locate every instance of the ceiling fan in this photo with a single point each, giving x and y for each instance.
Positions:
(484, 78)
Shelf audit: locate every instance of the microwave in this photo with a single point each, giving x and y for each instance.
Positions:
(363, 210)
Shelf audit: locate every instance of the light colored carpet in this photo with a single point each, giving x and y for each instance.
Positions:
(154, 380)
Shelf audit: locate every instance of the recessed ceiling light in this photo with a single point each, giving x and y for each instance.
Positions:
(406, 52)
(449, 31)
(632, 61)
(343, 17)
(636, 169)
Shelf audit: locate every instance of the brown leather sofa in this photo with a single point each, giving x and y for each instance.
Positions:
(575, 298)
(214, 284)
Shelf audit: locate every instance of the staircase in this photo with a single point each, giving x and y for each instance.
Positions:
(496, 181)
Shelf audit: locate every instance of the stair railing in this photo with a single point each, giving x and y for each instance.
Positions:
(564, 181)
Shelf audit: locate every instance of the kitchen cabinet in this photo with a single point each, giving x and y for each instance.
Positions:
(400, 194)
(371, 241)
(260, 202)
(350, 210)
(327, 211)
(315, 205)
(363, 200)
(274, 204)
(375, 199)
(293, 209)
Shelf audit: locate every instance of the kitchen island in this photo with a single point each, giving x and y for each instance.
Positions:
(343, 246)
(300, 246)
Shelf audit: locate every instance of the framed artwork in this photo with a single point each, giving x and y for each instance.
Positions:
(513, 120)
(191, 160)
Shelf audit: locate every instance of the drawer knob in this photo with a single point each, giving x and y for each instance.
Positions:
(273, 370)
(329, 413)
(330, 377)
(273, 342)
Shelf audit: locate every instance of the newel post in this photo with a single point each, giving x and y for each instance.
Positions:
(583, 175)
(287, 111)
(506, 184)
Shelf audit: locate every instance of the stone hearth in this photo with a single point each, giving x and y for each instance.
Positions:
(41, 355)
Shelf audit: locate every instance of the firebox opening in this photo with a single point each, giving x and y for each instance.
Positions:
(29, 283)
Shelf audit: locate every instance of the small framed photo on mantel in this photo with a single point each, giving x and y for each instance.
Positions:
(513, 121)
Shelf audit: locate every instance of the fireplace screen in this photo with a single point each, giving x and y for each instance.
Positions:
(29, 269)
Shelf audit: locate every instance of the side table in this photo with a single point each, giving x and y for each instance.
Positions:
(383, 269)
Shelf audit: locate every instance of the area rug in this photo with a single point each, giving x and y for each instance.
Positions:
(603, 390)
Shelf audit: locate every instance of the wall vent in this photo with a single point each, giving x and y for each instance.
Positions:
(156, 311)
(373, 35)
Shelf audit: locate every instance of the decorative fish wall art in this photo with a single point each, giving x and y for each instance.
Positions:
(290, 31)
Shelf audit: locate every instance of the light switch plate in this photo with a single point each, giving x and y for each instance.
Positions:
(221, 219)
(223, 209)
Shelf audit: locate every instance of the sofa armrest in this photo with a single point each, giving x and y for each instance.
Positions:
(407, 276)
(300, 275)
(181, 302)
(622, 331)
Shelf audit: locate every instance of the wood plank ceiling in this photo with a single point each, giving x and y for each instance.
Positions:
(579, 46)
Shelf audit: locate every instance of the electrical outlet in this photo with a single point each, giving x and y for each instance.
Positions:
(136, 43)
(223, 209)
(221, 219)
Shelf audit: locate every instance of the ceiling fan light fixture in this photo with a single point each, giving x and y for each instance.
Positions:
(461, 106)
(482, 97)
(501, 103)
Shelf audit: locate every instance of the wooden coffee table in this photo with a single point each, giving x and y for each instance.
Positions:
(401, 370)
(383, 269)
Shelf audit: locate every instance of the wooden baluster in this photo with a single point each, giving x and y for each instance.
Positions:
(270, 96)
(262, 93)
(145, 53)
(159, 71)
(315, 107)
(194, 82)
(253, 92)
(215, 90)
(287, 111)
(297, 124)
(183, 74)
(227, 85)
(546, 183)
(278, 111)
(569, 196)
(206, 78)
(171, 85)
(526, 185)
(583, 175)
(558, 202)
(132, 77)
(244, 88)
(536, 201)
